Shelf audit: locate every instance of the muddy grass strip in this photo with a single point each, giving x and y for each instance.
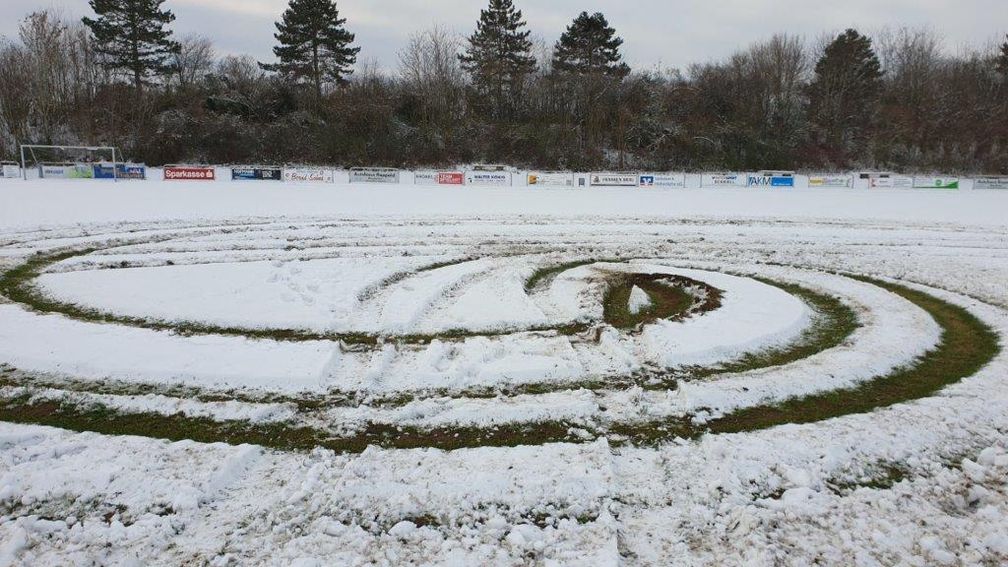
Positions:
(17, 285)
(834, 324)
(965, 347)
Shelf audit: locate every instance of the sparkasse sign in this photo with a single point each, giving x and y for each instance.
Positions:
(189, 173)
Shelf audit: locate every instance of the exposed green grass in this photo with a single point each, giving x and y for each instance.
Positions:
(834, 324)
(544, 275)
(669, 299)
(99, 419)
(966, 346)
(17, 284)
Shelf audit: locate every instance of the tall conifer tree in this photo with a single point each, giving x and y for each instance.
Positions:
(313, 44)
(590, 46)
(846, 88)
(132, 35)
(499, 55)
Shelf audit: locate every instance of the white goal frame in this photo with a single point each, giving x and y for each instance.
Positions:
(32, 147)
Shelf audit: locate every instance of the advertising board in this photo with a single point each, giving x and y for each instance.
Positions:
(604, 179)
(936, 182)
(722, 180)
(829, 181)
(450, 178)
(662, 180)
(374, 175)
(10, 170)
(769, 180)
(119, 171)
(308, 175)
(990, 183)
(189, 173)
(256, 174)
(550, 179)
(488, 178)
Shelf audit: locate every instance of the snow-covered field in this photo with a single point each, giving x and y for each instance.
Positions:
(450, 315)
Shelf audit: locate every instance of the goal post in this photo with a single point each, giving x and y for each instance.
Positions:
(40, 155)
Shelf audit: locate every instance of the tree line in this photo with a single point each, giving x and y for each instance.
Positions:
(892, 100)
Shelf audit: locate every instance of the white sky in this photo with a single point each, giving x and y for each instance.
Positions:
(670, 33)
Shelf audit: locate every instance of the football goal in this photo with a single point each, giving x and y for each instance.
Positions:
(73, 162)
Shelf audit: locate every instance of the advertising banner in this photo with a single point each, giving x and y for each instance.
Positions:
(722, 180)
(488, 178)
(549, 179)
(120, 171)
(891, 182)
(768, 180)
(450, 178)
(79, 171)
(662, 180)
(829, 181)
(308, 175)
(256, 174)
(53, 172)
(374, 175)
(425, 178)
(189, 173)
(10, 170)
(990, 183)
(613, 180)
(936, 182)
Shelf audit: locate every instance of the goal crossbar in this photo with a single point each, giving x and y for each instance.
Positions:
(32, 147)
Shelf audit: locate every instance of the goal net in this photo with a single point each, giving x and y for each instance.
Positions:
(71, 162)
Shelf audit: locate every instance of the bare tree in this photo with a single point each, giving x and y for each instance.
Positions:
(431, 73)
(194, 60)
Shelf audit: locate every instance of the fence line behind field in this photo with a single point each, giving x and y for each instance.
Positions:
(496, 177)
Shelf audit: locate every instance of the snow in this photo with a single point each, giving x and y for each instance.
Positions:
(346, 258)
(639, 300)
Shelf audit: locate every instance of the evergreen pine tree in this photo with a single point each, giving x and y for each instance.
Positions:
(499, 55)
(846, 87)
(1002, 60)
(131, 35)
(590, 46)
(313, 44)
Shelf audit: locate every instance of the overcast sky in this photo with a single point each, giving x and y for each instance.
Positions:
(667, 33)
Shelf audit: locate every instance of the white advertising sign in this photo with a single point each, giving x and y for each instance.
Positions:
(723, 180)
(990, 183)
(829, 181)
(374, 175)
(488, 178)
(308, 175)
(662, 180)
(613, 180)
(425, 177)
(10, 170)
(936, 182)
(550, 179)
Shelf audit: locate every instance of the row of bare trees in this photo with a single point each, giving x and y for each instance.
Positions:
(776, 104)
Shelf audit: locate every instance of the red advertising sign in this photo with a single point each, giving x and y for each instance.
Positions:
(450, 178)
(189, 173)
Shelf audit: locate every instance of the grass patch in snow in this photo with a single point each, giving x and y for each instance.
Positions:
(833, 324)
(543, 276)
(97, 418)
(670, 299)
(17, 284)
(966, 346)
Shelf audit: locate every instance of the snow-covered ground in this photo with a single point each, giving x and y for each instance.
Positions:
(398, 261)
